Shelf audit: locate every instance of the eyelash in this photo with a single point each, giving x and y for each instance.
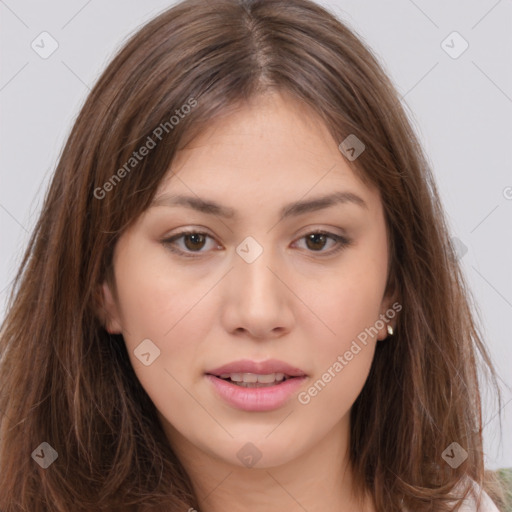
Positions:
(342, 242)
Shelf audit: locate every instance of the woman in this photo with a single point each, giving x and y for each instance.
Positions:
(241, 292)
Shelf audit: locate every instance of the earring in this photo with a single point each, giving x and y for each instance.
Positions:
(390, 330)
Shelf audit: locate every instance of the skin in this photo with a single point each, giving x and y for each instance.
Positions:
(297, 302)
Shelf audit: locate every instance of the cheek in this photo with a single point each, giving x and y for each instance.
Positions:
(348, 303)
(176, 323)
(343, 357)
(170, 309)
(155, 298)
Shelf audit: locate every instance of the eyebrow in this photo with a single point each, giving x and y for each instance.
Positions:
(289, 210)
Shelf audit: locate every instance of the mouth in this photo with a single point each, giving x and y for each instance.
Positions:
(256, 386)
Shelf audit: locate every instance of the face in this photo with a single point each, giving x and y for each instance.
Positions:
(270, 280)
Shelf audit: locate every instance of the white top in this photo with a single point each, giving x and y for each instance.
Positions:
(470, 503)
(486, 504)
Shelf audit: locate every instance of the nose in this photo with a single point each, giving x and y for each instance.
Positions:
(258, 300)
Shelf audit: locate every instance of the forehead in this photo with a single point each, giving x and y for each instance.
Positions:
(273, 146)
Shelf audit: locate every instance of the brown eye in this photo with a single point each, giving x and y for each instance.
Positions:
(194, 241)
(317, 241)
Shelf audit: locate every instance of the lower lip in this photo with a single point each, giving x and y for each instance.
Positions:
(256, 399)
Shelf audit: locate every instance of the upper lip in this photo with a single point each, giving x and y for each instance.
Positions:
(260, 368)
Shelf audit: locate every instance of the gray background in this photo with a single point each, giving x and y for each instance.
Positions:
(460, 107)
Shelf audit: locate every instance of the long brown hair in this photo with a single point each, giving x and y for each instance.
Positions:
(67, 382)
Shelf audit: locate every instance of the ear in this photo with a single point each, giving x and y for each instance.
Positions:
(107, 309)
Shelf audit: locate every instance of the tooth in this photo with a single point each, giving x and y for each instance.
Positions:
(250, 377)
(265, 379)
(252, 380)
(254, 384)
